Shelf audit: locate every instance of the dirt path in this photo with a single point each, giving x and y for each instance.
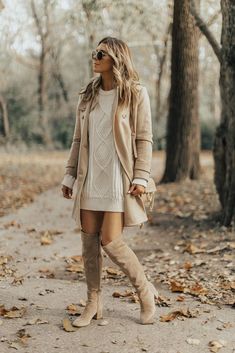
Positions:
(47, 294)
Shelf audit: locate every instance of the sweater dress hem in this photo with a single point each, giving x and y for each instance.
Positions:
(98, 204)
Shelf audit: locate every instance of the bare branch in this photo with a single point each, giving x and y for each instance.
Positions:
(31, 64)
(36, 19)
(1, 5)
(46, 14)
(213, 18)
(205, 30)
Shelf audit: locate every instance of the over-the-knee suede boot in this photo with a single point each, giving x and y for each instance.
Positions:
(120, 253)
(92, 259)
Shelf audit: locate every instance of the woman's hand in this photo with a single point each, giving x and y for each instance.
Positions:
(67, 192)
(136, 189)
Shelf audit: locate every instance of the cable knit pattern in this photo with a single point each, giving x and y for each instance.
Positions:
(103, 187)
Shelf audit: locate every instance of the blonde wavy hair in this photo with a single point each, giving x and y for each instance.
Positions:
(125, 75)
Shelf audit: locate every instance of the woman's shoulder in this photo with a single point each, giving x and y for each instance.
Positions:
(142, 91)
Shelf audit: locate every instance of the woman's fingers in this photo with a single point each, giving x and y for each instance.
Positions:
(136, 189)
(67, 192)
(131, 188)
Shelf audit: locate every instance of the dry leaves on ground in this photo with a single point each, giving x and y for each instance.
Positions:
(67, 326)
(182, 313)
(23, 176)
(13, 312)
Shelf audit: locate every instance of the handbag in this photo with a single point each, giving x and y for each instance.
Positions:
(149, 194)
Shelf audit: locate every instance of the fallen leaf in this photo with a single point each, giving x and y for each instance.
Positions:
(187, 265)
(216, 345)
(180, 298)
(185, 312)
(193, 249)
(77, 258)
(49, 273)
(113, 271)
(73, 309)
(103, 323)
(67, 326)
(217, 248)
(14, 312)
(75, 268)
(198, 289)
(15, 345)
(176, 286)
(46, 291)
(36, 321)
(193, 341)
(127, 293)
(4, 259)
(162, 301)
(17, 280)
(23, 336)
(45, 240)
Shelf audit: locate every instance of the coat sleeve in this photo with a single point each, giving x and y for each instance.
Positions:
(144, 136)
(72, 161)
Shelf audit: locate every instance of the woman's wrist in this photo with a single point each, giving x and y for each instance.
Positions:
(140, 181)
(68, 181)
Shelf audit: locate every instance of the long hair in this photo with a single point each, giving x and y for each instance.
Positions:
(125, 75)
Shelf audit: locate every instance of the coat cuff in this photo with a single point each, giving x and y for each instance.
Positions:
(68, 181)
(141, 174)
(140, 181)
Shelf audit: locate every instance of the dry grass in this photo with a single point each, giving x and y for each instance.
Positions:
(22, 176)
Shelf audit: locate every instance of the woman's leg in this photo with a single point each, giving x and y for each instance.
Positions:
(92, 258)
(91, 221)
(112, 226)
(122, 255)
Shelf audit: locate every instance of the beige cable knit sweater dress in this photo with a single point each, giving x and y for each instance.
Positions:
(103, 187)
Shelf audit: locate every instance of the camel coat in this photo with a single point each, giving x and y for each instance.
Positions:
(133, 148)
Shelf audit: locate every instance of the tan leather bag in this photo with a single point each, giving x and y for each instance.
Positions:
(149, 194)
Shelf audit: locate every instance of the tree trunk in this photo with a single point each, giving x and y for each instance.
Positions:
(183, 128)
(43, 33)
(3, 108)
(224, 143)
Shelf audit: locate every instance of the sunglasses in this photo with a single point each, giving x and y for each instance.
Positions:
(98, 55)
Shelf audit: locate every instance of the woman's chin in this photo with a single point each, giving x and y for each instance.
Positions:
(96, 70)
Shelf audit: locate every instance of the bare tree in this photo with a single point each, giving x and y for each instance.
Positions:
(55, 53)
(3, 109)
(89, 7)
(1, 5)
(224, 151)
(43, 30)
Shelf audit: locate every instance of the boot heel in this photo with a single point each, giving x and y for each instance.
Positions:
(99, 313)
(153, 289)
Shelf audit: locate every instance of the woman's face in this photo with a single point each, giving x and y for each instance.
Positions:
(105, 64)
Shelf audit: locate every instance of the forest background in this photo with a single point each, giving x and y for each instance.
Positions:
(182, 50)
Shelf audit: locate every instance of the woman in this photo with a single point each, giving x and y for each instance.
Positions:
(112, 165)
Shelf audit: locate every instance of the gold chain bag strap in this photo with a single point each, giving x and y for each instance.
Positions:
(149, 194)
